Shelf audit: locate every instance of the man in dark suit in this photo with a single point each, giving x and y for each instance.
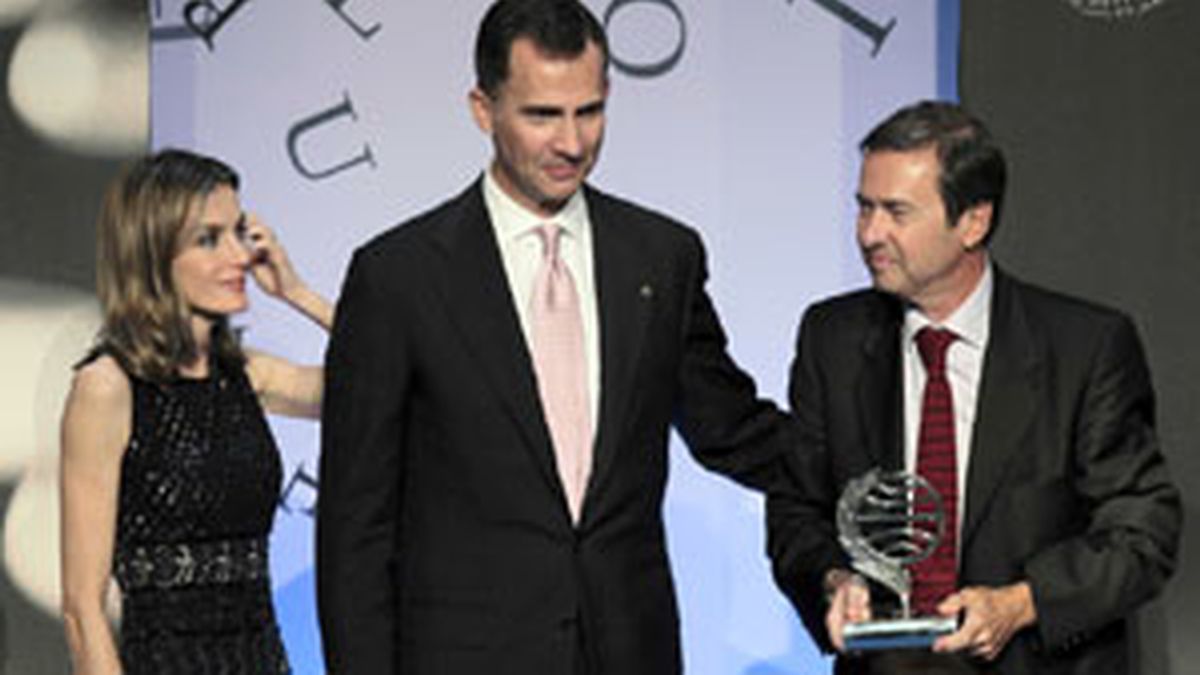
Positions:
(1069, 520)
(473, 518)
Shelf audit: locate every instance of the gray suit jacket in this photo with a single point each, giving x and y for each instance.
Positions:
(1066, 487)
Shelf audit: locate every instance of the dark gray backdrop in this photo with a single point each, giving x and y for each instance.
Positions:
(1100, 118)
(48, 202)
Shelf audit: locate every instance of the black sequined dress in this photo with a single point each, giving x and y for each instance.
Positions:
(199, 484)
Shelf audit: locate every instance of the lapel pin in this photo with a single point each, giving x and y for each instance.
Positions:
(646, 291)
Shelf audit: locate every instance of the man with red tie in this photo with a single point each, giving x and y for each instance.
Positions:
(1030, 412)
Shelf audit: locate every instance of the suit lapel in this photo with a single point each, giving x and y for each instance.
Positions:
(481, 309)
(878, 389)
(1008, 392)
(625, 296)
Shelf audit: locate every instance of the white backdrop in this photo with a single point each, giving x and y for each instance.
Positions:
(739, 117)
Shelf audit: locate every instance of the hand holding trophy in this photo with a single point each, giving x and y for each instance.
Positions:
(887, 522)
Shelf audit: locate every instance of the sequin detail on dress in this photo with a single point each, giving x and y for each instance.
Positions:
(199, 484)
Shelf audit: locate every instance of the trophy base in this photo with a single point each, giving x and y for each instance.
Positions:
(919, 633)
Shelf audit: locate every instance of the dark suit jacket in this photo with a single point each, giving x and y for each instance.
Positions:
(1066, 485)
(444, 540)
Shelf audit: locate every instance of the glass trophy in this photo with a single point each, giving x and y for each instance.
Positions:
(887, 522)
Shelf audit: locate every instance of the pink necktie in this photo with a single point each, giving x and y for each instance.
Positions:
(935, 577)
(558, 360)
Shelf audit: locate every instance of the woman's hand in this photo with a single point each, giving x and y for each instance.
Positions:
(274, 274)
(269, 262)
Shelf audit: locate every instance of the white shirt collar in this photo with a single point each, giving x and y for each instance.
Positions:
(513, 220)
(971, 321)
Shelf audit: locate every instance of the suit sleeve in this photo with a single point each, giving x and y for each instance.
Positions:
(366, 379)
(801, 537)
(726, 426)
(1128, 549)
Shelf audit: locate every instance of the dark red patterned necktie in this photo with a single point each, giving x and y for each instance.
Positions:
(936, 576)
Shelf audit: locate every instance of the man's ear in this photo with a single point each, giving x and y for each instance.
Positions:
(481, 109)
(974, 225)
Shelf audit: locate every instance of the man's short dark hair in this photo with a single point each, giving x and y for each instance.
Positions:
(559, 28)
(972, 166)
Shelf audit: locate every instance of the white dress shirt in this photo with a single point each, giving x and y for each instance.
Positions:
(964, 369)
(520, 246)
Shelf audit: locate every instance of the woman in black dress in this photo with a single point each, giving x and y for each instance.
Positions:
(169, 473)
